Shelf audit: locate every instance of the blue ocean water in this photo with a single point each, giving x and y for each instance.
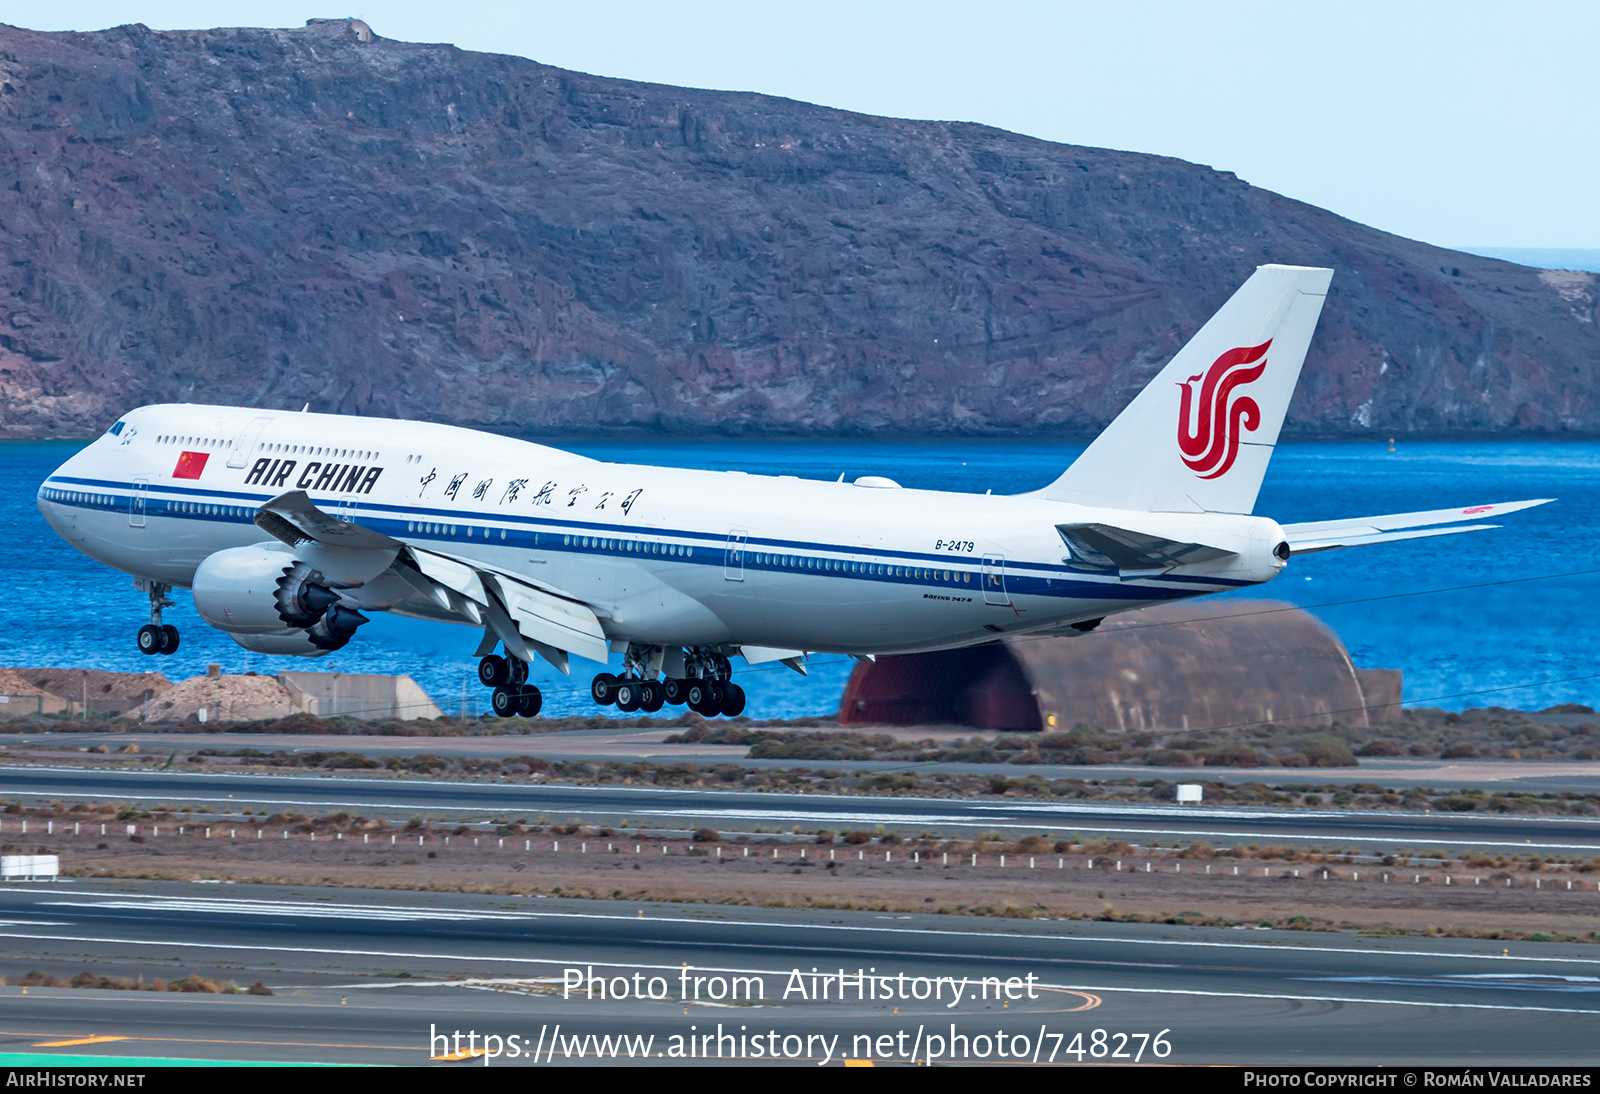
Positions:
(1503, 618)
(1547, 258)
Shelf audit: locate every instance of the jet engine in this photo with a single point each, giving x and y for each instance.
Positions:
(290, 643)
(277, 602)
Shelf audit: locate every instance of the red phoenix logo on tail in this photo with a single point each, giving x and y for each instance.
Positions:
(1208, 434)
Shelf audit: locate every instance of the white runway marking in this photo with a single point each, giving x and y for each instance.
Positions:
(780, 973)
(362, 911)
(1322, 999)
(224, 906)
(1504, 981)
(969, 820)
(973, 820)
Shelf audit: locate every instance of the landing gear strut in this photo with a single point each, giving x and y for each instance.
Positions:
(513, 695)
(154, 636)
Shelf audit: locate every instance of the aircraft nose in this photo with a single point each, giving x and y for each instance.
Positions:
(54, 500)
(54, 513)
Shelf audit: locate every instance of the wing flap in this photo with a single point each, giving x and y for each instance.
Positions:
(761, 655)
(554, 620)
(523, 612)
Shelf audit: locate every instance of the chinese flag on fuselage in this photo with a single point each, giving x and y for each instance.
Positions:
(190, 464)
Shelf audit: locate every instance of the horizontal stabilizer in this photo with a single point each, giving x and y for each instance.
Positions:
(1359, 531)
(1327, 543)
(1109, 549)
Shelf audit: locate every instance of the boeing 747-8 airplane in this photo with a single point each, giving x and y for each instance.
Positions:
(289, 527)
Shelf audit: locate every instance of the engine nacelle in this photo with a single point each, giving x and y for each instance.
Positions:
(267, 593)
(236, 590)
(292, 643)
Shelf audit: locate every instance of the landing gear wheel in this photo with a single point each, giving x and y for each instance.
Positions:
(603, 689)
(516, 671)
(628, 696)
(151, 639)
(169, 638)
(651, 696)
(492, 671)
(732, 700)
(675, 691)
(705, 698)
(694, 694)
(529, 700)
(505, 701)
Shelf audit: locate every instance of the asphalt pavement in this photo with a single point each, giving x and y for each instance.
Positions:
(743, 810)
(371, 976)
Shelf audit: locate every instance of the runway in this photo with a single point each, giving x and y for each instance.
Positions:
(633, 744)
(739, 810)
(363, 976)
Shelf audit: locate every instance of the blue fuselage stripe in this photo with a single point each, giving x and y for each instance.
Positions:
(1021, 578)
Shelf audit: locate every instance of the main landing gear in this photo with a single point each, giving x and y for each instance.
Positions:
(513, 695)
(705, 688)
(154, 636)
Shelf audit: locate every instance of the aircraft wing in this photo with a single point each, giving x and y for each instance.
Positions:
(1327, 535)
(295, 519)
(1110, 549)
(527, 615)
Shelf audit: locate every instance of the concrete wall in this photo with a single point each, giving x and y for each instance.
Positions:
(358, 695)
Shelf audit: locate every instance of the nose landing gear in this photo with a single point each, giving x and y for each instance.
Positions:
(156, 637)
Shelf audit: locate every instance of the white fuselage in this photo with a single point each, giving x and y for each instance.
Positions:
(663, 556)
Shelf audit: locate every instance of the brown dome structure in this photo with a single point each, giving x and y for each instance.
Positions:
(1174, 667)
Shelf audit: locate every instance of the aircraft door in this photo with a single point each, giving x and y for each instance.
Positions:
(994, 580)
(733, 561)
(136, 503)
(240, 456)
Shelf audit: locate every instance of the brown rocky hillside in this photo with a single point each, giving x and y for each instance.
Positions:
(275, 217)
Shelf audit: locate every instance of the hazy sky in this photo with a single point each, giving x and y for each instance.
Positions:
(1463, 124)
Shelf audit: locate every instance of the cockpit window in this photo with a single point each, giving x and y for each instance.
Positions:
(116, 429)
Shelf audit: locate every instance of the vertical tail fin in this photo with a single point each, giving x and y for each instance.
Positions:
(1198, 437)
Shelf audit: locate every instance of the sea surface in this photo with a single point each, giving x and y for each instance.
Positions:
(1504, 618)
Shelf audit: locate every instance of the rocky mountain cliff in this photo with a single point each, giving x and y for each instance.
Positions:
(275, 217)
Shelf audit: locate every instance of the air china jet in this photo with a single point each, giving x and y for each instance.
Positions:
(289, 528)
